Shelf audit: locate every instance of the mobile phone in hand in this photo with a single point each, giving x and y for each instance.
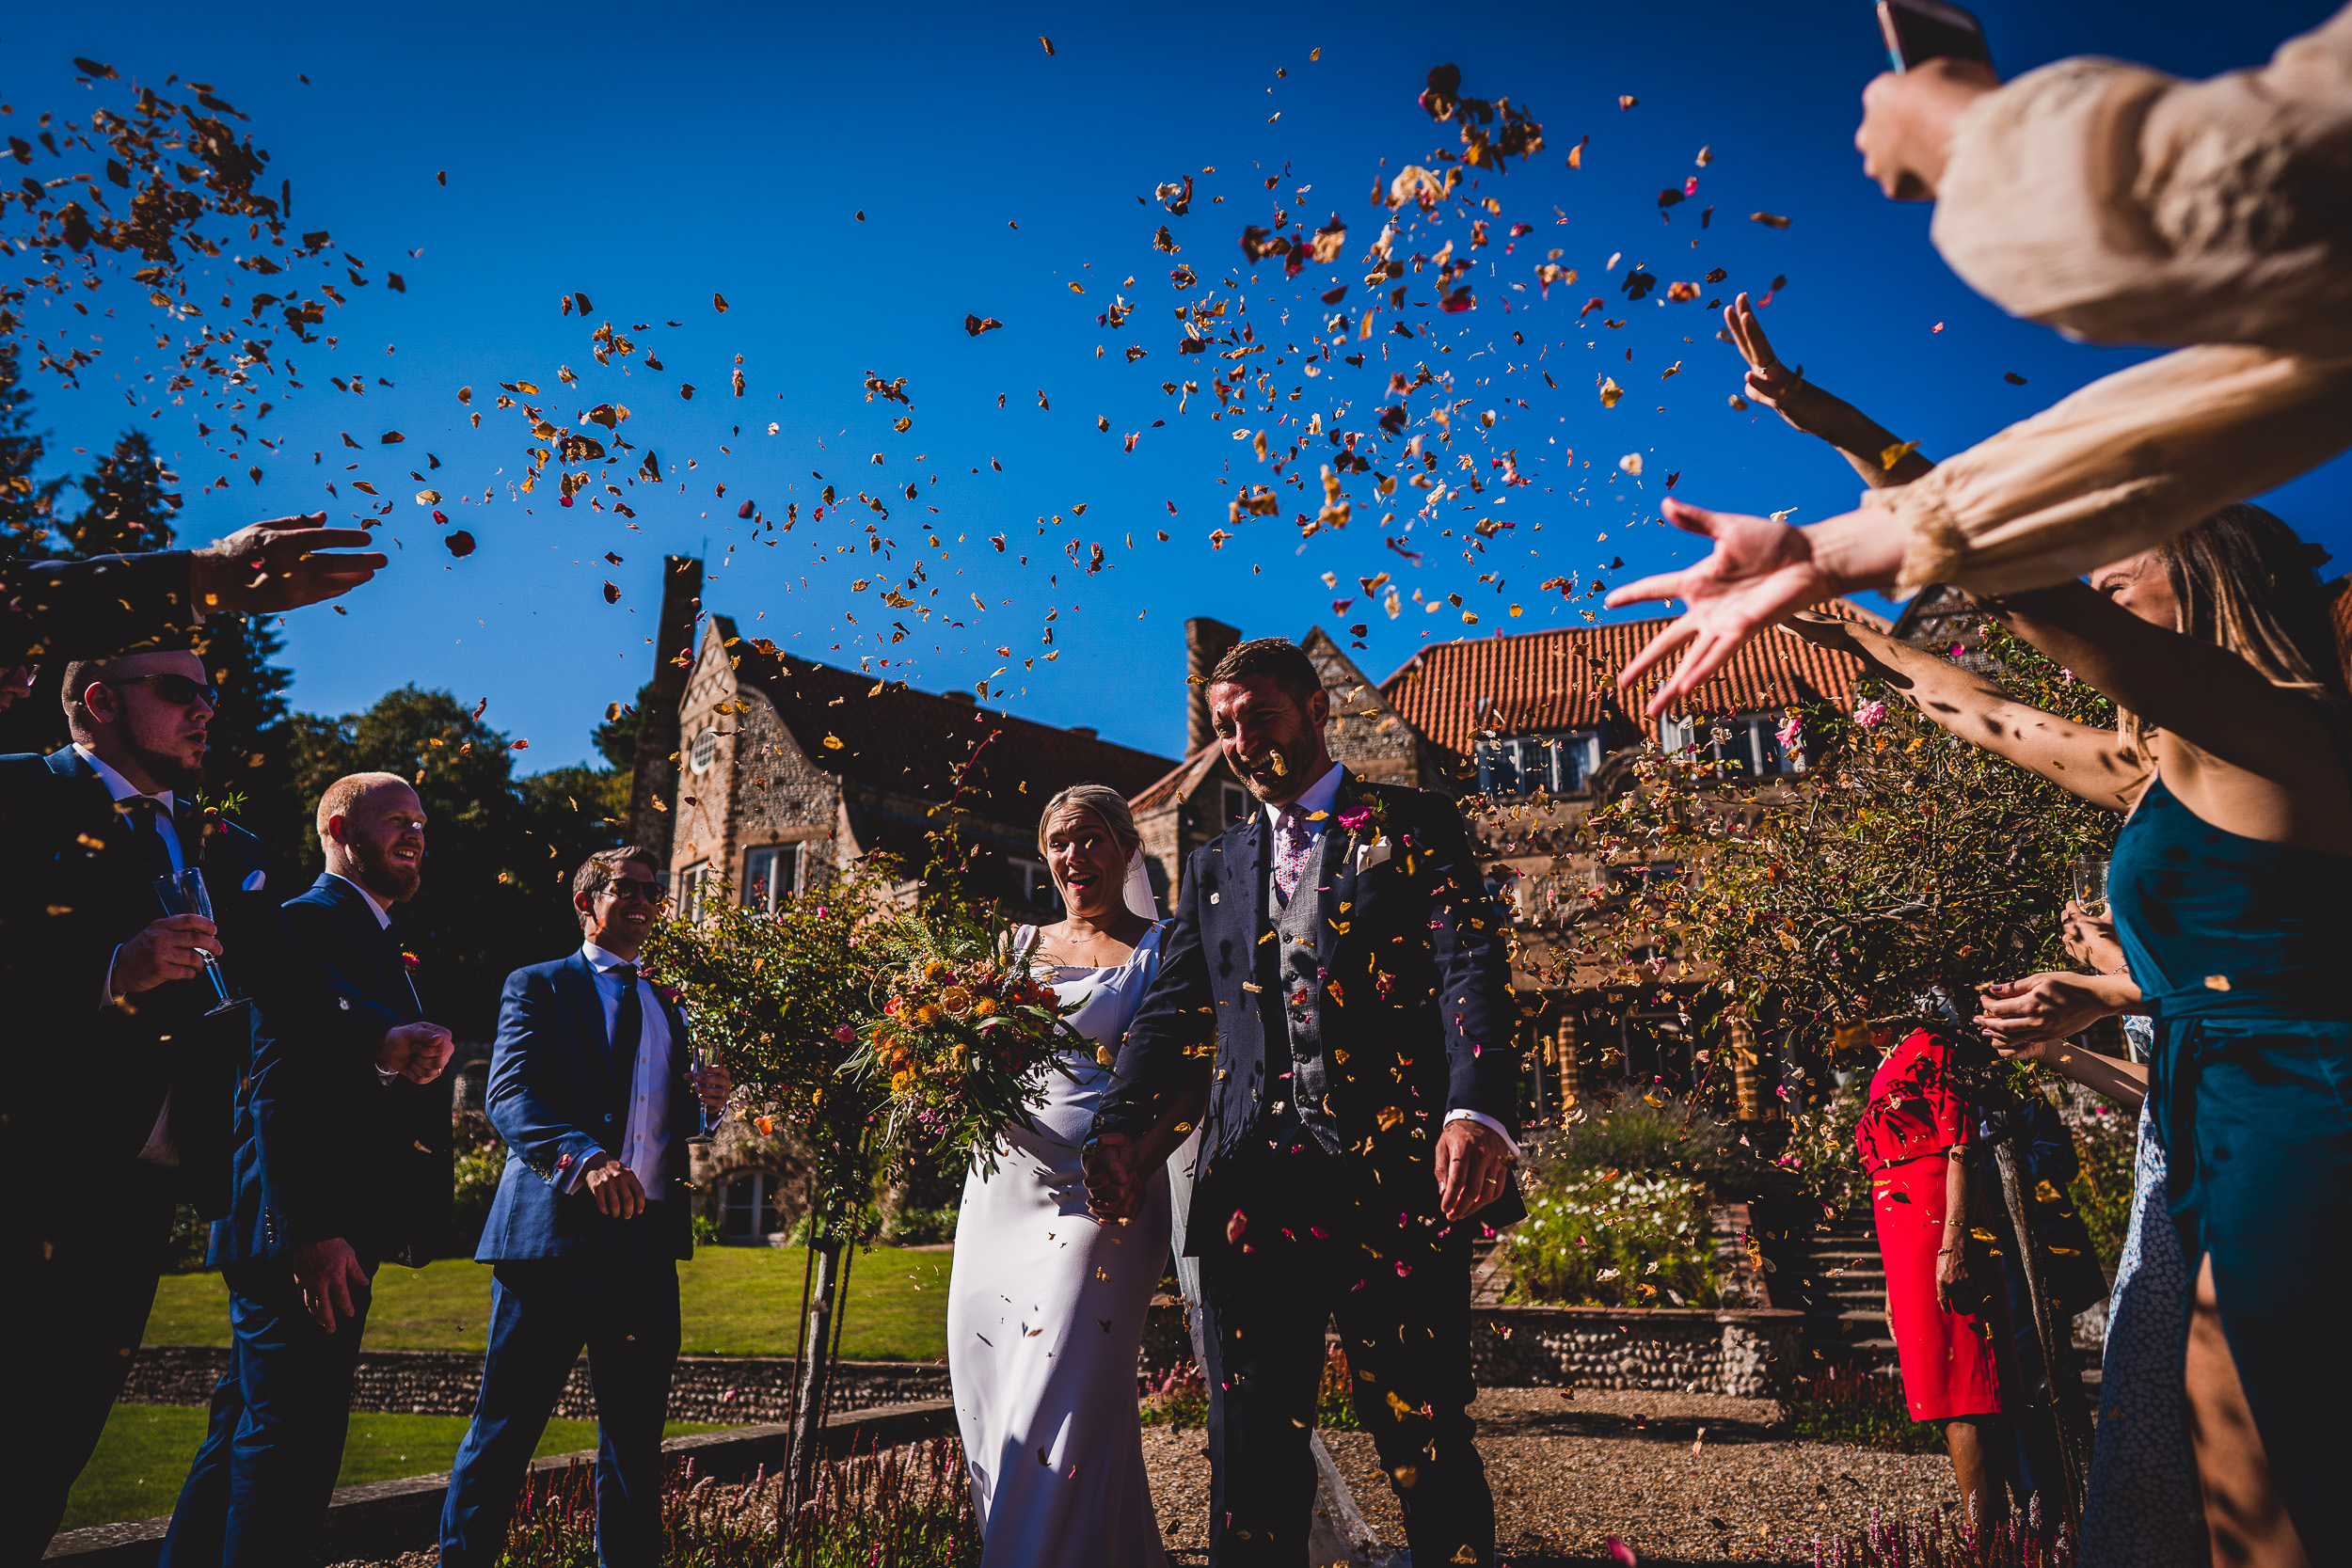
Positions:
(1917, 30)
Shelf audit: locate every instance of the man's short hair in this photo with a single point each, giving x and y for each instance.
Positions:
(344, 793)
(598, 871)
(80, 674)
(1277, 657)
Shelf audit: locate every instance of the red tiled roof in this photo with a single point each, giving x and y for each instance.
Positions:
(1566, 680)
(907, 741)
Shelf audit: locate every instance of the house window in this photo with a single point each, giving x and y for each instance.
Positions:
(1750, 746)
(1559, 763)
(771, 875)
(691, 883)
(705, 751)
(752, 1208)
(1035, 881)
(1235, 803)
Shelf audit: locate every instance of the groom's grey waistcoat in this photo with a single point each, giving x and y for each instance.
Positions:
(1299, 1020)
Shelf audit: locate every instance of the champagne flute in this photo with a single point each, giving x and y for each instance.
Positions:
(184, 893)
(699, 1059)
(2090, 885)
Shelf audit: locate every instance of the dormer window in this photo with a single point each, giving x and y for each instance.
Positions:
(1559, 763)
(705, 751)
(1749, 747)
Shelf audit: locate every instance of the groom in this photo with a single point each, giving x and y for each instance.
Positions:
(1340, 949)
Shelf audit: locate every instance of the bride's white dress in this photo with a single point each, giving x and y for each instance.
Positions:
(1046, 1313)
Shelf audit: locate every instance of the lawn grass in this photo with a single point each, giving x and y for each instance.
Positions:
(734, 1301)
(144, 1456)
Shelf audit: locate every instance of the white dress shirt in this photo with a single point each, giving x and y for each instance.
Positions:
(382, 910)
(159, 1150)
(646, 1137)
(1316, 801)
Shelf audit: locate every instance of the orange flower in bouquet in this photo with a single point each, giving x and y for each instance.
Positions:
(963, 1043)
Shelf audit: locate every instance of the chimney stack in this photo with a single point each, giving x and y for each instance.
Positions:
(1205, 641)
(655, 776)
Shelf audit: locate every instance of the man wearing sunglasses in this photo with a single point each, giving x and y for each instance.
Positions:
(118, 1102)
(593, 1089)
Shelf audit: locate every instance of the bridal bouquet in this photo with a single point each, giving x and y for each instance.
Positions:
(963, 1040)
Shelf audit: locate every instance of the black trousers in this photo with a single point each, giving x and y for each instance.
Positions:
(1311, 1249)
(75, 1311)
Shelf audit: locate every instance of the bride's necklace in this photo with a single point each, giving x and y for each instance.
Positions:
(1087, 958)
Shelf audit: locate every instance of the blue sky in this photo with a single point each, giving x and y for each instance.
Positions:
(653, 159)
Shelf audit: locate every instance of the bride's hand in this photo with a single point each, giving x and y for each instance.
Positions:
(1115, 1186)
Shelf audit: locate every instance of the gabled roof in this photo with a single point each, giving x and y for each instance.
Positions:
(1566, 679)
(887, 736)
(1178, 783)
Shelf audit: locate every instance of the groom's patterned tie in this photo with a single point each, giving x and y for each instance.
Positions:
(1291, 844)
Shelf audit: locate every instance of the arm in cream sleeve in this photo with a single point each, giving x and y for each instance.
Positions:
(2124, 206)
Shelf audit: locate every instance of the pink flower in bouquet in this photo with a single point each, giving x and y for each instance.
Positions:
(848, 1035)
(1870, 715)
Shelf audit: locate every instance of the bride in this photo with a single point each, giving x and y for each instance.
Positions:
(1045, 1307)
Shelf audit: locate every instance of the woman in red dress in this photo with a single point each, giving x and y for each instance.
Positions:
(1913, 1138)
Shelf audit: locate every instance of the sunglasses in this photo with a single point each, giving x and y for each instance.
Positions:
(177, 690)
(626, 888)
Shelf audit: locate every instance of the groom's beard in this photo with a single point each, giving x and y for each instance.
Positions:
(169, 772)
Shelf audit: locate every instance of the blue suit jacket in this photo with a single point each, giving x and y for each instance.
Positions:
(324, 1147)
(1415, 1001)
(559, 1098)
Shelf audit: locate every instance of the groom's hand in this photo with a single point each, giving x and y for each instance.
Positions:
(1114, 1185)
(1471, 1161)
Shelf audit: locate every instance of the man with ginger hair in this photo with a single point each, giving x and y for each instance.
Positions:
(341, 1165)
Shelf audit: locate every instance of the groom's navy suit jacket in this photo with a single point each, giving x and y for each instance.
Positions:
(559, 1095)
(324, 1147)
(1413, 1007)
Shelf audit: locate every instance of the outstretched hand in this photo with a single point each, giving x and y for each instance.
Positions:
(1758, 571)
(1769, 380)
(276, 565)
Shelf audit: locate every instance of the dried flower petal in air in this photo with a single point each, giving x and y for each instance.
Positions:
(975, 325)
(1609, 392)
(460, 544)
(1770, 220)
(1896, 452)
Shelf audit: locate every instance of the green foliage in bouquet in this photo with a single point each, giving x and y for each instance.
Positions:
(965, 1036)
(1902, 860)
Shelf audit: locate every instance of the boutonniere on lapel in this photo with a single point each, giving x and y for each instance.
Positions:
(410, 961)
(1367, 823)
(668, 993)
(208, 824)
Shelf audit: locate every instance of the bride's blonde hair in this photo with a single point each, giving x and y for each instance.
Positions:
(1104, 802)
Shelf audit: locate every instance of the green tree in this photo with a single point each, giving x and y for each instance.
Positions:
(26, 502)
(129, 502)
(616, 737)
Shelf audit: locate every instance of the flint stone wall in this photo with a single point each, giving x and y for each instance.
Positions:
(731, 1390)
(1751, 1352)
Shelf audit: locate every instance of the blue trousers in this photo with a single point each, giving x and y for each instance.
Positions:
(257, 1495)
(622, 1309)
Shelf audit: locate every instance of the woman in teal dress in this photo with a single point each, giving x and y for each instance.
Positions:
(2229, 886)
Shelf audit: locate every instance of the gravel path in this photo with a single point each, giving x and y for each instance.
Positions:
(1569, 1474)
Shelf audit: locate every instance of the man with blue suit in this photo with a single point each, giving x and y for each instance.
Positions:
(126, 1109)
(1341, 950)
(592, 1088)
(341, 1163)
